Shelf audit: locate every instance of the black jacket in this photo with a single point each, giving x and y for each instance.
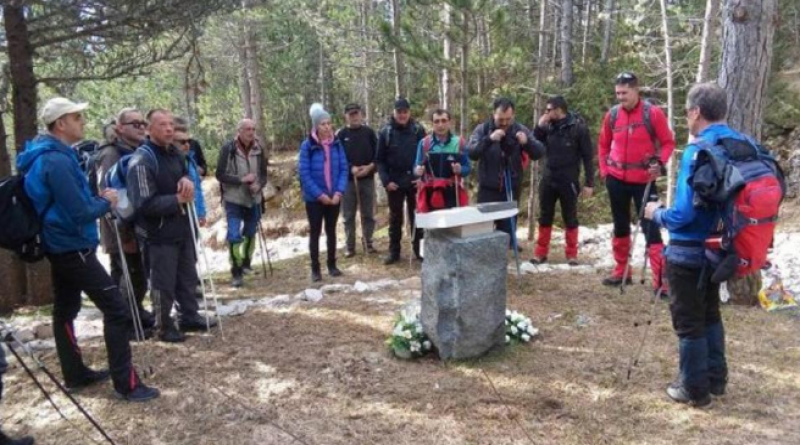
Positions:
(360, 146)
(568, 143)
(152, 187)
(397, 152)
(496, 157)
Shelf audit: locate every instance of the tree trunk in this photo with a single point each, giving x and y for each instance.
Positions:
(484, 42)
(399, 67)
(12, 269)
(608, 25)
(586, 30)
(710, 20)
(322, 90)
(532, 193)
(254, 83)
(748, 32)
(365, 59)
(244, 79)
(446, 44)
(670, 100)
(556, 20)
(567, 77)
(463, 113)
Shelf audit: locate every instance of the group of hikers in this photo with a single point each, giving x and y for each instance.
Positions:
(162, 168)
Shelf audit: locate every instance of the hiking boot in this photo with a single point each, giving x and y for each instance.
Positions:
(238, 278)
(371, 249)
(5, 440)
(172, 335)
(677, 392)
(89, 378)
(141, 393)
(616, 281)
(147, 317)
(538, 261)
(316, 275)
(717, 389)
(148, 334)
(572, 261)
(195, 323)
(349, 252)
(247, 270)
(334, 271)
(391, 259)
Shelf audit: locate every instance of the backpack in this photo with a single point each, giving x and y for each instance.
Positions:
(88, 159)
(743, 180)
(438, 193)
(20, 223)
(646, 119)
(115, 178)
(387, 131)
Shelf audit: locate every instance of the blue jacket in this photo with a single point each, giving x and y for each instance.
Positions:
(311, 169)
(58, 187)
(199, 199)
(452, 145)
(684, 221)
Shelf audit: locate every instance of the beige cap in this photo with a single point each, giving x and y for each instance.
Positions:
(57, 107)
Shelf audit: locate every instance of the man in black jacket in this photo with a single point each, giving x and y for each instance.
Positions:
(360, 145)
(568, 145)
(160, 190)
(498, 144)
(397, 155)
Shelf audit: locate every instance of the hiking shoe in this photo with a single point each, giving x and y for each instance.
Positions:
(5, 440)
(237, 281)
(90, 378)
(538, 261)
(148, 334)
(717, 389)
(172, 336)
(247, 270)
(195, 323)
(371, 249)
(349, 253)
(334, 271)
(677, 392)
(141, 393)
(148, 320)
(316, 276)
(572, 261)
(616, 281)
(391, 259)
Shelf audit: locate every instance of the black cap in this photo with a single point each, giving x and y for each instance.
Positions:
(401, 104)
(349, 108)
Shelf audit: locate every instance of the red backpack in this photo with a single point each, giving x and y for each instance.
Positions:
(744, 181)
(433, 193)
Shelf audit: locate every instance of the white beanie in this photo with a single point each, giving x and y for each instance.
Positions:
(318, 114)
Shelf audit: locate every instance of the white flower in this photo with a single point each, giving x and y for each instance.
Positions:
(407, 334)
(522, 326)
(508, 313)
(526, 337)
(532, 331)
(508, 339)
(398, 330)
(415, 346)
(426, 345)
(514, 330)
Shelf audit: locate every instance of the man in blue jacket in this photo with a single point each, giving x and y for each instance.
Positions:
(60, 192)
(694, 299)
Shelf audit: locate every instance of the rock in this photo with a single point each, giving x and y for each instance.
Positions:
(361, 287)
(464, 293)
(383, 284)
(280, 300)
(43, 331)
(335, 288)
(312, 295)
(41, 345)
(234, 309)
(411, 283)
(25, 335)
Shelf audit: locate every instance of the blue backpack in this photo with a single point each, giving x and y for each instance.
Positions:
(115, 178)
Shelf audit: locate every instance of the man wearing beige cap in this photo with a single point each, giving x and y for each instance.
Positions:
(61, 195)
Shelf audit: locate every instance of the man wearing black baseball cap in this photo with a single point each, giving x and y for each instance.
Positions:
(360, 146)
(397, 153)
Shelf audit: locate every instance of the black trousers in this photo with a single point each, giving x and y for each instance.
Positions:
(693, 305)
(80, 271)
(551, 192)
(396, 200)
(173, 278)
(137, 273)
(620, 195)
(493, 195)
(317, 214)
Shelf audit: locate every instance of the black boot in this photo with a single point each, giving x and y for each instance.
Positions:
(89, 378)
(333, 270)
(167, 332)
(5, 440)
(316, 275)
(392, 258)
(237, 277)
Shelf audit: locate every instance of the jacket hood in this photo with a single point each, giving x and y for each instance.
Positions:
(38, 146)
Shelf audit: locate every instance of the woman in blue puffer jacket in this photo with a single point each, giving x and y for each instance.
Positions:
(322, 166)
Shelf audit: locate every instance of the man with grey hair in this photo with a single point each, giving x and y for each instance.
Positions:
(130, 130)
(195, 148)
(242, 174)
(694, 298)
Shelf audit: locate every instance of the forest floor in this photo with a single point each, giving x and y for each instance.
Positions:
(319, 373)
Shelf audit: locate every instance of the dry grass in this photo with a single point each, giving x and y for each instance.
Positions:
(320, 374)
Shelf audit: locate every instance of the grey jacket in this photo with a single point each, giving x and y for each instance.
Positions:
(233, 165)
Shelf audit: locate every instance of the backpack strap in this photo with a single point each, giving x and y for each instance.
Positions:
(646, 120)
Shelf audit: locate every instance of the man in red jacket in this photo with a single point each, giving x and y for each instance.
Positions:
(634, 145)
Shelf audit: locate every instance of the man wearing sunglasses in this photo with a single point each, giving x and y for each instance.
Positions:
(634, 145)
(568, 144)
(130, 133)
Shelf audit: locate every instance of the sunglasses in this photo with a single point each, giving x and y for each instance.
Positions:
(136, 124)
(183, 141)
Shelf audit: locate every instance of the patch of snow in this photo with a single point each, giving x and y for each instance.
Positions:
(312, 295)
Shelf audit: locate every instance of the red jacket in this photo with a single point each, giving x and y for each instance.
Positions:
(625, 152)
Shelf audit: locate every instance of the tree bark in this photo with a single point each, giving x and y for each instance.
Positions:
(586, 30)
(747, 38)
(254, 78)
(670, 100)
(567, 76)
(463, 113)
(244, 79)
(532, 195)
(709, 22)
(484, 42)
(446, 55)
(608, 25)
(365, 11)
(23, 79)
(399, 67)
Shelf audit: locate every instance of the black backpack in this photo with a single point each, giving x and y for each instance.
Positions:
(20, 224)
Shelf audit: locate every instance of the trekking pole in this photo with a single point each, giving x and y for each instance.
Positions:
(192, 222)
(636, 231)
(360, 213)
(512, 221)
(200, 250)
(634, 360)
(10, 335)
(264, 248)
